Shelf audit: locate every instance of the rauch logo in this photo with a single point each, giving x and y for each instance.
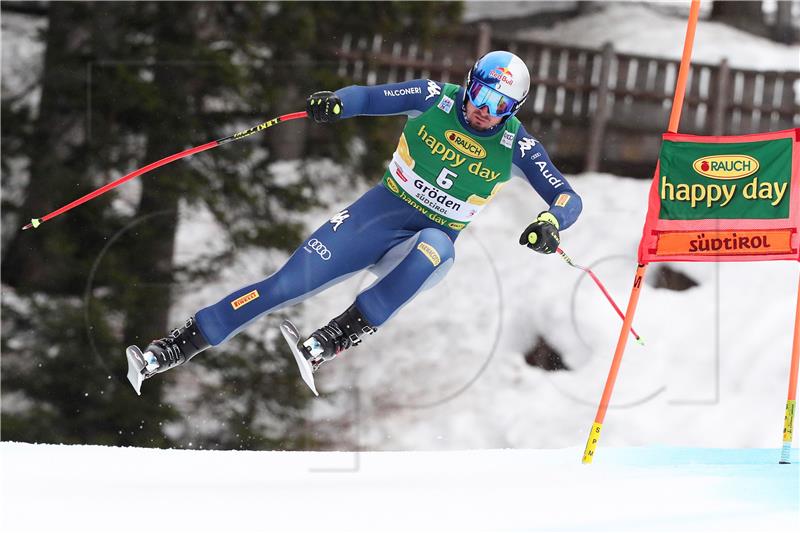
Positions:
(464, 144)
(725, 167)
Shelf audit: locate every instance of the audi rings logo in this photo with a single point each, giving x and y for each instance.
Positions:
(318, 247)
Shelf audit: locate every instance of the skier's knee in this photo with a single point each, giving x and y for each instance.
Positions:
(436, 246)
(437, 275)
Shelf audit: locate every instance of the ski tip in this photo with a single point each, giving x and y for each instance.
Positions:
(292, 337)
(287, 328)
(136, 364)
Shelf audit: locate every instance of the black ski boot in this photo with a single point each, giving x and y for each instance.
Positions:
(340, 334)
(327, 342)
(162, 354)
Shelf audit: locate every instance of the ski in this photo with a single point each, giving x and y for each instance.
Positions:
(136, 367)
(293, 340)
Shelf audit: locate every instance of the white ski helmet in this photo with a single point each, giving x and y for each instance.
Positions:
(494, 76)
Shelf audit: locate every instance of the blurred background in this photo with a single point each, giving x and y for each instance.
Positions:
(94, 90)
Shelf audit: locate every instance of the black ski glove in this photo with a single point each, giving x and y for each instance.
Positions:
(324, 106)
(542, 235)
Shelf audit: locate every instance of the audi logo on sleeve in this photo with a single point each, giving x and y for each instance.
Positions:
(317, 246)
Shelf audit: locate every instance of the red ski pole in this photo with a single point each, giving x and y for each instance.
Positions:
(36, 222)
(566, 258)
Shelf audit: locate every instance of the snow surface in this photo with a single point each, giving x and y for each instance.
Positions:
(502, 9)
(100, 489)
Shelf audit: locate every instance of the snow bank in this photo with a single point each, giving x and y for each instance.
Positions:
(643, 30)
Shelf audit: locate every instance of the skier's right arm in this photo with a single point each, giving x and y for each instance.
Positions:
(411, 98)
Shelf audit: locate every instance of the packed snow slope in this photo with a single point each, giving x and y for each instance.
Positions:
(88, 489)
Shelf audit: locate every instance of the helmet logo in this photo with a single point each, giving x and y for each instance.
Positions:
(503, 74)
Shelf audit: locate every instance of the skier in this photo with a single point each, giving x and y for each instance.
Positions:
(457, 150)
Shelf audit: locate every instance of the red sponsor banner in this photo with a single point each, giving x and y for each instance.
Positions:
(732, 198)
(713, 243)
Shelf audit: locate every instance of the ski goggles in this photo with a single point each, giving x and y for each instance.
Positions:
(498, 104)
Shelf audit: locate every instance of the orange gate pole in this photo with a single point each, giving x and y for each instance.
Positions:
(594, 433)
(788, 419)
(674, 120)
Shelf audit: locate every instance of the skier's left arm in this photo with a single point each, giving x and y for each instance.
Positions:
(531, 161)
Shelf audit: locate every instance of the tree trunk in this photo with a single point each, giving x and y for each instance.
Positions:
(44, 259)
(153, 242)
(290, 144)
(782, 30)
(747, 16)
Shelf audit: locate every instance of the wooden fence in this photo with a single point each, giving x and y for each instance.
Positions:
(595, 110)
